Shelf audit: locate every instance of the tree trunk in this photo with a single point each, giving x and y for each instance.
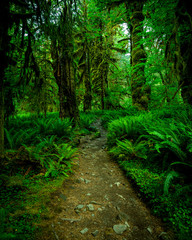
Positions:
(140, 92)
(71, 101)
(4, 20)
(66, 83)
(1, 114)
(87, 82)
(102, 74)
(183, 67)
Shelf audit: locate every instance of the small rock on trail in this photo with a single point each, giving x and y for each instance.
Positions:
(120, 228)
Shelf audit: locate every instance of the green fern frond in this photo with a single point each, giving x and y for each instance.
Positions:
(171, 175)
(9, 138)
(182, 163)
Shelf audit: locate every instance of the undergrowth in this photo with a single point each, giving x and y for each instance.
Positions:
(155, 150)
(40, 154)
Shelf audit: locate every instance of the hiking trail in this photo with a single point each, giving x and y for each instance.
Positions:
(98, 202)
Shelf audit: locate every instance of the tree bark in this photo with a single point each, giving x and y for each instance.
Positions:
(183, 67)
(140, 92)
(87, 82)
(4, 41)
(1, 114)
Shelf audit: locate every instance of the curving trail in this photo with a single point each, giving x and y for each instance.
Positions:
(98, 202)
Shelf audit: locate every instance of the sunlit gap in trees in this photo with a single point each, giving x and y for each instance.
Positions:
(126, 32)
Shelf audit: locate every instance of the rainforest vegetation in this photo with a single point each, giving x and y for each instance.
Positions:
(66, 63)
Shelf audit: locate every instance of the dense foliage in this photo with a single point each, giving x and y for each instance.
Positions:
(155, 150)
(130, 63)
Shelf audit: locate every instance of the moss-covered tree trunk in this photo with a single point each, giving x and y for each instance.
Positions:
(184, 58)
(70, 92)
(65, 78)
(86, 55)
(140, 92)
(4, 40)
(87, 82)
(68, 102)
(55, 52)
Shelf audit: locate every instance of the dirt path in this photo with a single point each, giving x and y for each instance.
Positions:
(98, 202)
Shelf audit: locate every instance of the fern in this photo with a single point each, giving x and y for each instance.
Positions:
(43, 125)
(61, 128)
(181, 163)
(9, 138)
(126, 147)
(86, 120)
(54, 158)
(123, 128)
(168, 180)
(17, 139)
(166, 137)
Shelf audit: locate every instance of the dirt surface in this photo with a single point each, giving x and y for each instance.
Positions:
(98, 201)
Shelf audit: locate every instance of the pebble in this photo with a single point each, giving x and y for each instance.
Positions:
(117, 183)
(163, 236)
(95, 233)
(100, 209)
(85, 230)
(79, 207)
(88, 194)
(126, 223)
(90, 207)
(119, 228)
(96, 203)
(70, 220)
(87, 181)
(120, 196)
(106, 197)
(150, 230)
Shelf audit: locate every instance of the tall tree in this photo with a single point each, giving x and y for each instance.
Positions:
(182, 33)
(18, 18)
(140, 91)
(4, 41)
(64, 67)
(135, 17)
(83, 52)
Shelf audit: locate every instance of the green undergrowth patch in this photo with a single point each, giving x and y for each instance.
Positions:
(40, 155)
(24, 203)
(174, 209)
(154, 149)
(86, 121)
(110, 115)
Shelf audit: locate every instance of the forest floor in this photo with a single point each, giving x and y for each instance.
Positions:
(98, 201)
